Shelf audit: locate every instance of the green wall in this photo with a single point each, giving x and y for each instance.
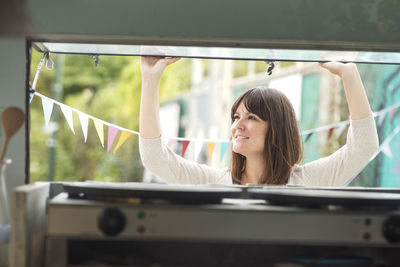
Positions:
(382, 83)
(309, 115)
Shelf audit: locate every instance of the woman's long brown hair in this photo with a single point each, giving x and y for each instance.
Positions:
(282, 146)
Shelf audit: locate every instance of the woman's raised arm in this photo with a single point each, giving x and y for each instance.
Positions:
(362, 141)
(357, 99)
(152, 69)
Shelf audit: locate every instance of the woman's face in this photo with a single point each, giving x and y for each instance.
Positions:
(248, 133)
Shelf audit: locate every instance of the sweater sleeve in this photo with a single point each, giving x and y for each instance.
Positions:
(172, 168)
(361, 144)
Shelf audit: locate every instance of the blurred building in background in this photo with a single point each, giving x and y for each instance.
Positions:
(317, 97)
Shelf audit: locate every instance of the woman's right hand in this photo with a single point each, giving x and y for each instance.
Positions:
(152, 68)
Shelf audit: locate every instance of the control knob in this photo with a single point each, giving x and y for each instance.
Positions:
(111, 221)
(391, 229)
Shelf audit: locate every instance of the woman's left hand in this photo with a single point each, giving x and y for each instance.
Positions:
(338, 68)
(355, 93)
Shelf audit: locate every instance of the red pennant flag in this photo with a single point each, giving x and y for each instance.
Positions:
(184, 147)
(330, 133)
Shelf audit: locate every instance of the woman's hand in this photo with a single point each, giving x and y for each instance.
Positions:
(339, 68)
(149, 119)
(152, 68)
(357, 99)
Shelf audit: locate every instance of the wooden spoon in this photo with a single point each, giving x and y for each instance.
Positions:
(12, 119)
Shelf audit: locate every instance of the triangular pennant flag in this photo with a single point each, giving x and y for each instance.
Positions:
(68, 116)
(381, 118)
(171, 142)
(31, 95)
(308, 137)
(185, 144)
(112, 132)
(330, 133)
(100, 131)
(341, 129)
(224, 146)
(84, 119)
(210, 147)
(47, 109)
(397, 169)
(122, 139)
(391, 113)
(197, 149)
(386, 150)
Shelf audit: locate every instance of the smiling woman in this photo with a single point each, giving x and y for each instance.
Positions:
(264, 148)
(266, 145)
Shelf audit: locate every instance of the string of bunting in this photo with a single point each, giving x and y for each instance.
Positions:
(113, 129)
(384, 147)
(67, 111)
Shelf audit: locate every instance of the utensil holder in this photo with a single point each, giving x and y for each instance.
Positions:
(4, 207)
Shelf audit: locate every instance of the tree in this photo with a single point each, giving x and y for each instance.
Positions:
(110, 92)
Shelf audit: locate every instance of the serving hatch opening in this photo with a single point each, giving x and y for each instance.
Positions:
(84, 112)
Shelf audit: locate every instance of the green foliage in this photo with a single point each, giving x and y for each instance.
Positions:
(261, 66)
(240, 68)
(110, 92)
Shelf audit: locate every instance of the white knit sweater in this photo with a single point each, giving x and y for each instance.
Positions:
(334, 170)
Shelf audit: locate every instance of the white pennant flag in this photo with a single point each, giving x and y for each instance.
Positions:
(47, 109)
(381, 118)
(197, 149)
(341, 129)
(84, 119)
(386, 150)
(68, 116)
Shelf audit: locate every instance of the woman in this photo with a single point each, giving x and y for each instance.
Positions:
(266, 147)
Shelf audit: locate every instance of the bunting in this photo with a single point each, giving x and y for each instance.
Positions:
(185, 144)
(384, 147)
(197, 149)
(48, 105)
(171, 142)
(330, 132)
(397, 169)
(84, 119)
(47, 110)
(386, 150)
(308, 137)
(210, 148)
(112, 132)
(224, 146)
(391, 113)
(31, 95)
(124, 135)
(381, 118)
(341, 129)
(68, 117)
(100, 131)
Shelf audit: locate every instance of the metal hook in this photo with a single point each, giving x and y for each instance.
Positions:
(49, 62)
(96, 59)
(271, 66)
